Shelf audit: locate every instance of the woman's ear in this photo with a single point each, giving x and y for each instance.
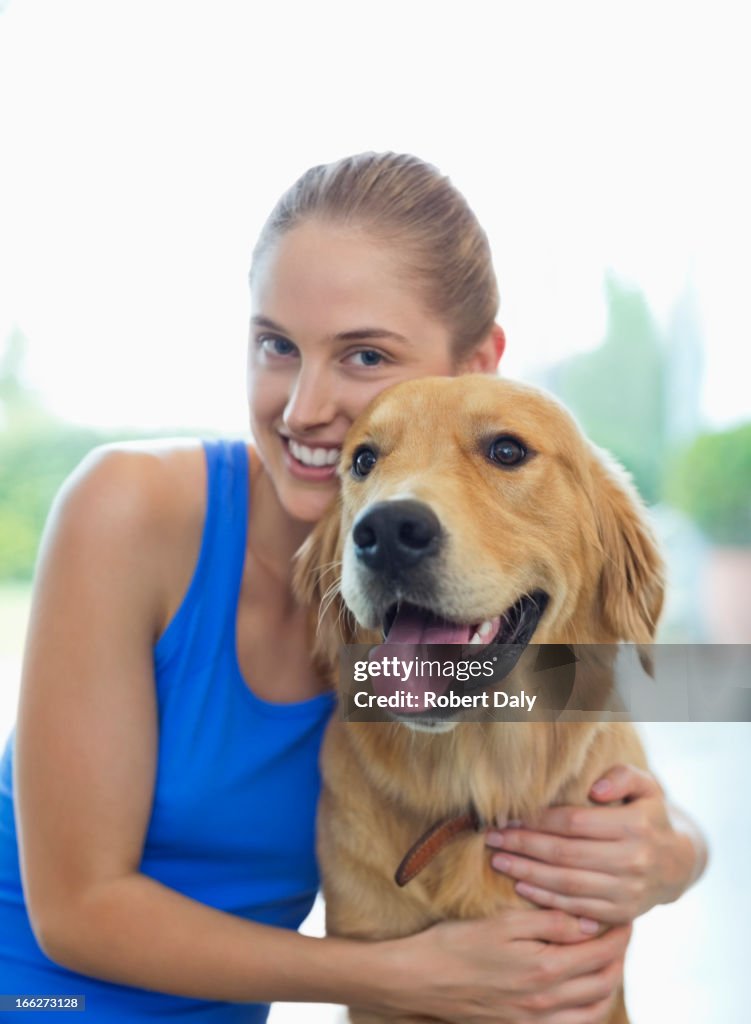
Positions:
(485, 357)
(316, 582)
(632, 581)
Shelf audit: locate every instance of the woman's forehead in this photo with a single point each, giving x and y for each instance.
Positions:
(319, 257)
(330, 279)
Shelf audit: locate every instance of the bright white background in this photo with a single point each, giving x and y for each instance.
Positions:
(143, 144)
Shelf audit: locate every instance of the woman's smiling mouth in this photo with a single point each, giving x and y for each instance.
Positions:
(313, 455)
(311, 461)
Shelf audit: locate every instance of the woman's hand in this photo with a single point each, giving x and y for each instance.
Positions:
(607, 863)
(520, 967)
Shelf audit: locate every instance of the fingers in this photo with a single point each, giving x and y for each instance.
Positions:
(596, 1013)
(562, 852)
(592, 991)
(590, 894)
(635, 819)
(622, 782)
(565, 881)
(609, 881)
(545, 926)
(576, 822)
(574, 984)
(625, 782)
(574, 961)
(606, 911)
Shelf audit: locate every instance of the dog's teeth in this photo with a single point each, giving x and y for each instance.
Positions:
(480, 635)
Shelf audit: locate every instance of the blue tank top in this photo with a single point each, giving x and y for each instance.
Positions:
(236, 787)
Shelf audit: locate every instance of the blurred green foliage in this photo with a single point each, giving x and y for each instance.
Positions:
(33, 464)
(618, 392)
(37, 453)
(710, 481)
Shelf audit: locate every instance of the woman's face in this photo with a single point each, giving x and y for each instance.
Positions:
(333, 323)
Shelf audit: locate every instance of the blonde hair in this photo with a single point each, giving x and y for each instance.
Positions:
(403, 201)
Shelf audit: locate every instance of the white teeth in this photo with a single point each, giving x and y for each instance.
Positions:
(482, 631)
(314, 456)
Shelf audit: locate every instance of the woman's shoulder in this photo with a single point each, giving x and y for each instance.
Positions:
(150, 483)
(146, 497)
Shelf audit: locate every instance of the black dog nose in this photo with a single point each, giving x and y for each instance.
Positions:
(394, 535)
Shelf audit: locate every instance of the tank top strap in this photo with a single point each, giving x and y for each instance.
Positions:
(209, 605)
(226, 526)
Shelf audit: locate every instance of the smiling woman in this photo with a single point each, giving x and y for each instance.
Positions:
(347, 317)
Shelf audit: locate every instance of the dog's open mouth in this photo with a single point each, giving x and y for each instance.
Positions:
(415, 635)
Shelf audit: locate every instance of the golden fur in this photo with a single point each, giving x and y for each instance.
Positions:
(567, 521)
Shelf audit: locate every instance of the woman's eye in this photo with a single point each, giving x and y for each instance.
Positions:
(368, 357)
(507, 451)
(275, 346)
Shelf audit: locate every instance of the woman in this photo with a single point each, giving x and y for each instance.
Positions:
(165, 765)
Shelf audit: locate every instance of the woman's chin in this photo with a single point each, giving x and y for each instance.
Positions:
(309, 505)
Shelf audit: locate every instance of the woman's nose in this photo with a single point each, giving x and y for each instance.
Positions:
(311, 404)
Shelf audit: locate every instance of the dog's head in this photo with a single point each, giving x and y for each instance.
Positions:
(473, 510)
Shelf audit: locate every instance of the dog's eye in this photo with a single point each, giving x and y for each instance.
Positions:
(507, 451)
(363, 461)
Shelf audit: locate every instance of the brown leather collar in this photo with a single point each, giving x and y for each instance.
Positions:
(433, 841)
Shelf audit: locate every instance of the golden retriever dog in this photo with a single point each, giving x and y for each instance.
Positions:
(472, 511)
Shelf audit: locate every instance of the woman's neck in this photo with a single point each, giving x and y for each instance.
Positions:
(273, 536)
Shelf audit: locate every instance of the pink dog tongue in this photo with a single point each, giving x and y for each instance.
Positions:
(413, 626)
(403, 653)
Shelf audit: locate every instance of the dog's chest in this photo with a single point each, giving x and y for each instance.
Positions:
(460, 883)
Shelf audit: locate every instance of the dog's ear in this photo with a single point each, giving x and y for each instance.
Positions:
(632, 581)
(316, 581)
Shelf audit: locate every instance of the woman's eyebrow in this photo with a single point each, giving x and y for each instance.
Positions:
(263, 321)
(368, 334)
(357, 334)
